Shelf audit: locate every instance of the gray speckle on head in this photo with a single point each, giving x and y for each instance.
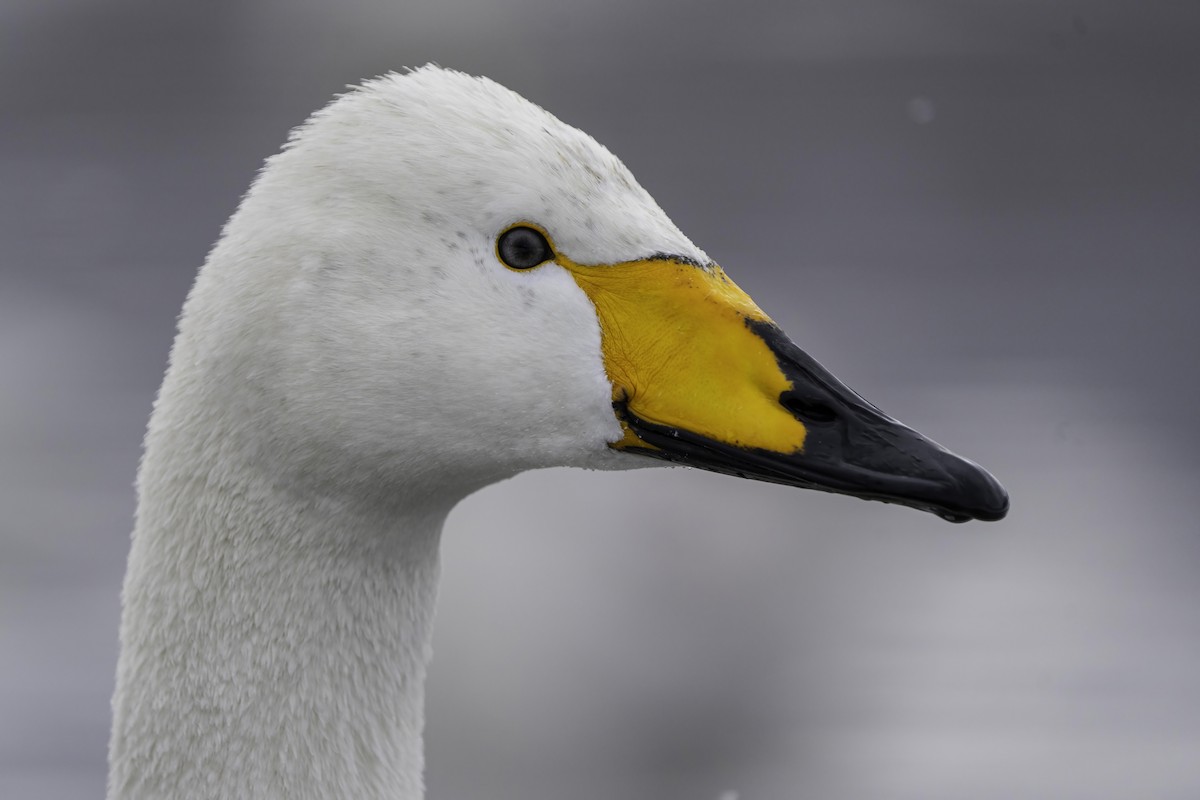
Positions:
(527, 296)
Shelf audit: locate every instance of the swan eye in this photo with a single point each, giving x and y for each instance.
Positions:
(523, 248)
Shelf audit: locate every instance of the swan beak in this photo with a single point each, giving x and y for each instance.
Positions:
(702, 377)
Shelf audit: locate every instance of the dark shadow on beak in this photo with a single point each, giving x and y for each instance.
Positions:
(851, 447)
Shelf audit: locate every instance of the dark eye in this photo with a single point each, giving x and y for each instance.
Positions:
(522, 248)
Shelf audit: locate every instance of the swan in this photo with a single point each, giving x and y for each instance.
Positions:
(434, 286)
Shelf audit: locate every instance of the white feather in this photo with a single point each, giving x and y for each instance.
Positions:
(352, 361)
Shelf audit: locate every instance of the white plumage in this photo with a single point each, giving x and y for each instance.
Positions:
(349, 365)
(352, 361)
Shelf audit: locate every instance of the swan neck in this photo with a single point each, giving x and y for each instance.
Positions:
(273, 644)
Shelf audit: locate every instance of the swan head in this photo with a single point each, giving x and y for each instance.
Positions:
(438, 284)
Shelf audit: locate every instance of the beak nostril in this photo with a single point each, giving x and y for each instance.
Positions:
(812, 411)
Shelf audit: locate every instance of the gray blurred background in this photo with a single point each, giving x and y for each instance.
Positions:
(985, 216)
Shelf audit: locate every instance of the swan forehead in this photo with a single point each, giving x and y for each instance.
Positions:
(467, 151)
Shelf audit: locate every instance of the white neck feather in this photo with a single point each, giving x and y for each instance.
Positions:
(274, 645)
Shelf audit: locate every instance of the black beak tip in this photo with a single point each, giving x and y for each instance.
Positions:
(976, 494)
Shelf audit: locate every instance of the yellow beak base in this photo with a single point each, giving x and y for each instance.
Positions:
(679, 352)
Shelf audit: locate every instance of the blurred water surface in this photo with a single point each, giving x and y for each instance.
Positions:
(981, 215)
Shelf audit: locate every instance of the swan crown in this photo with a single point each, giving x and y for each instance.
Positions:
(470, 152)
